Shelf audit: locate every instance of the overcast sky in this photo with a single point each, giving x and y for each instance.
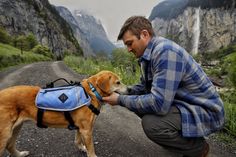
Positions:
(111, 13)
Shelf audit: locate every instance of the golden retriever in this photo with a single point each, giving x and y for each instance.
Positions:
(17, 104)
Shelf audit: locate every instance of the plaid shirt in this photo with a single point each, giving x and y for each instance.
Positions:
(171, 77)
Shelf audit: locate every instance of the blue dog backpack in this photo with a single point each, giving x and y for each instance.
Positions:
(62, 99)
(66, 98)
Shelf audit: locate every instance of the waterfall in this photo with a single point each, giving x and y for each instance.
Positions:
(196, 31)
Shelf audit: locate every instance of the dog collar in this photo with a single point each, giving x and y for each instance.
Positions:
(98, 96)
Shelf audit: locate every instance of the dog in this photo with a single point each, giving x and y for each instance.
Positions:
(17, 104)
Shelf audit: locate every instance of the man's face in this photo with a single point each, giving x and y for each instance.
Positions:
(135, 45)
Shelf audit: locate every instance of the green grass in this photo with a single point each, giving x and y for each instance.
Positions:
(86, 66)
(93, 66)
(11, 56)
(230, 114)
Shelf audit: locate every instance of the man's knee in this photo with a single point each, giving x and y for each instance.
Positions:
(159, 129)
(150, 127)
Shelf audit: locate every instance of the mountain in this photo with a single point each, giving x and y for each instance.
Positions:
(94, 32)
(88, 31)
(165, 9)
(198, 25)
(21, 17)
(77, 31)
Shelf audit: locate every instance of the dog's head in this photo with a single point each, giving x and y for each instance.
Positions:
(107, 82)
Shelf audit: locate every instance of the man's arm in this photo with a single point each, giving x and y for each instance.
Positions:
(137, 89)
(168, 70)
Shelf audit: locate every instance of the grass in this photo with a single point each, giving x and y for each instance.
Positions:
(230, 113)
(11, 56)
(93, 66)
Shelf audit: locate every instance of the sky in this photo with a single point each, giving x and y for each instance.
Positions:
(111, 13)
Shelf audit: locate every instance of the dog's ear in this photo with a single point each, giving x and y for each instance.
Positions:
(103, 83)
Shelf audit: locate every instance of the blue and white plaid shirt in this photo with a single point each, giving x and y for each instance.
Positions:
(171, 77)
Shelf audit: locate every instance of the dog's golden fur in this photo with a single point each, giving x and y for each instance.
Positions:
(17, 104)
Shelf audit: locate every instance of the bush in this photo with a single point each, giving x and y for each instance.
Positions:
(4, 36)
(25, 43)
(31, 41)
(122, 59)
(20, 42)
(43, 50)
(232, 71)
(6, 61)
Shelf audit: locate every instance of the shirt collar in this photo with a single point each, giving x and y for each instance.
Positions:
(147, 53)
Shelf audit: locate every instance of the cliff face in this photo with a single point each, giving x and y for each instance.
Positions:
(200, 27)
(93, 31)
(77, 31)
(40, 18)
(88, 31)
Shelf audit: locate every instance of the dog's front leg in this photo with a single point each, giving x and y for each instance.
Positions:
(88, 141)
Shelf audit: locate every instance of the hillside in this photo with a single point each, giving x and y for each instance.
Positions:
(20, 17)
(11, 56)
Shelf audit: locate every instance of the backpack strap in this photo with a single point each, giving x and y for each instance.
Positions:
(40, 118)
(94, 109)
(68, 117)
(71, 83)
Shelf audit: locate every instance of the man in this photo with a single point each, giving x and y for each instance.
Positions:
(176, 100)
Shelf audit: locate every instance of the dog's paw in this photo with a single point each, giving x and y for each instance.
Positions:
(82, 148)
(23, 153)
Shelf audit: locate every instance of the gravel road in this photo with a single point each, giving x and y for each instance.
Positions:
(117, 132)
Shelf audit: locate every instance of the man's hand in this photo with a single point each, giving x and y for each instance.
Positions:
(112, 99)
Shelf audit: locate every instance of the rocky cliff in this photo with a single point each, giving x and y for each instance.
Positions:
(197, 25)
(94, 32)
(40, 18)
(77, 31)
(88, 31)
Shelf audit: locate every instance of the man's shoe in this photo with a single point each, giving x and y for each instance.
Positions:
(205, 150)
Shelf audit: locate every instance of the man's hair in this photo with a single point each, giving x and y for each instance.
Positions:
(136, 24)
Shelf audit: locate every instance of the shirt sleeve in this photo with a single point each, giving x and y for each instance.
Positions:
(167, 69)
(137, 89)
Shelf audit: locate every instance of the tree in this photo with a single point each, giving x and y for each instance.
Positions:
(21, 43)
(43, 50)
(4, 36)
(31, 41)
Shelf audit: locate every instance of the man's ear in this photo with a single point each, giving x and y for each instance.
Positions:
(103, 83)
(144, 34)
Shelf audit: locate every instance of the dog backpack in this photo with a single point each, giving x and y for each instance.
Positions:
(64, 98)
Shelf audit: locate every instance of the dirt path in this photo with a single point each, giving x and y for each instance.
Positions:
(117, 131)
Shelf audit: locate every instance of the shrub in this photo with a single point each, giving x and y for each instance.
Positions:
(232, 71)
(31, 41)
(21, 43)
(4, 36)
(43, 50)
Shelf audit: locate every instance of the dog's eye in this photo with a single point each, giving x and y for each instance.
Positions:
(118, 82)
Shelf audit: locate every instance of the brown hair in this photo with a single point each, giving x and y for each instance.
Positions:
(136, 24)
